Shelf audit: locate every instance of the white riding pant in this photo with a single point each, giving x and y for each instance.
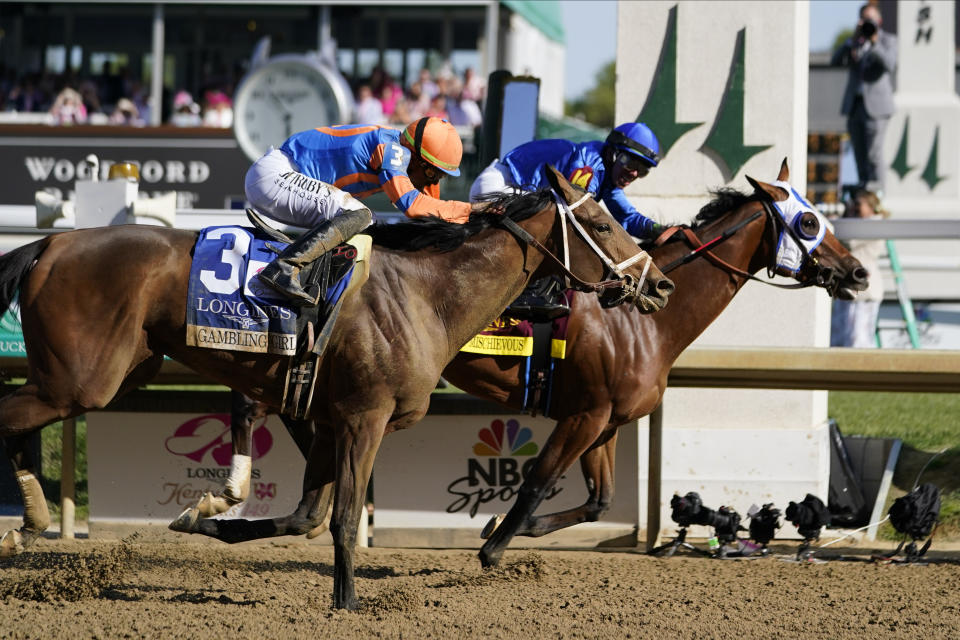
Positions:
(275, 187)
(494, 179)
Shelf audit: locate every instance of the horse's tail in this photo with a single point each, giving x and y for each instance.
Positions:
(14, 267)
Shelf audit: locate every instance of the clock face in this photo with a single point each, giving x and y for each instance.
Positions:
(282, 97)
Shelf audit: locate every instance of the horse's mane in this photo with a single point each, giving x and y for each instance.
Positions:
(725, 200)
(434, 233)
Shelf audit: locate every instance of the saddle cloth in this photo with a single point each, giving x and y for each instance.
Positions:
(227, 306)
(507, 336)
(540, 344)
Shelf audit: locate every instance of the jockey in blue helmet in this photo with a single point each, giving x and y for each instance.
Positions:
(603, 168)
(631, 150)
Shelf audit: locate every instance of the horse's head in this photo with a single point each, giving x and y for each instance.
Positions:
(610, 250)
(806, 248)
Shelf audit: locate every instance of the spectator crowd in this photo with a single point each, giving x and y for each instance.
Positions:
(118, 99)
(381, 100)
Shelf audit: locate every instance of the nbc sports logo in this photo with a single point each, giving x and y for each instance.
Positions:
(518, 440)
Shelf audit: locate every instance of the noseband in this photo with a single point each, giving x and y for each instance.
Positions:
(630, 288)
(825, 277)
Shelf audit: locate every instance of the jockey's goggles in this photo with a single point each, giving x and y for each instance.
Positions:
(631, 162)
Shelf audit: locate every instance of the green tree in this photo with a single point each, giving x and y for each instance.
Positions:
(841, 38)
(598, 104)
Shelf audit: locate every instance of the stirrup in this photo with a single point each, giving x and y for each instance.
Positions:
(534, 312)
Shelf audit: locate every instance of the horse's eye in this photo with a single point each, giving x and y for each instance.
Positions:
(808, 225)
(603, 228)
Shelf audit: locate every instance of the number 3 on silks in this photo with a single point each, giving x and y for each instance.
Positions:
(396, 154)
(232, 257)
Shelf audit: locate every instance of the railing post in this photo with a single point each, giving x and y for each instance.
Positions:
(654, 464)
(67, 477)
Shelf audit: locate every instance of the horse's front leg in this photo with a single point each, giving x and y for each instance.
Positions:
(357, 446)
(36, 517)
(311, 513)
(597, 464)
(244, 413)
(570, 439)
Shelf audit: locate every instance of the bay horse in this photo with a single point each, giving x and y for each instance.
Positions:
(616, 365)
(101, 307)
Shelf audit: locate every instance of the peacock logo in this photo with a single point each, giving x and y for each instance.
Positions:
(502, 457)
(518, 440)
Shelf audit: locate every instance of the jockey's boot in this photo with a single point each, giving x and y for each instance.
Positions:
(541, 301)
(283, 274)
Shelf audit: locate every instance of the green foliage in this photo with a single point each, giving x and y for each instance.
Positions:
(927, 424)
(841, 38)
(597, 106)
(925, 421)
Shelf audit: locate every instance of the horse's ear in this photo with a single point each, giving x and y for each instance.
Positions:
(766, 191)
(784, 171)
(560, 183)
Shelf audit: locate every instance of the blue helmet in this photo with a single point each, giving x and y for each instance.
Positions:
(637, 139)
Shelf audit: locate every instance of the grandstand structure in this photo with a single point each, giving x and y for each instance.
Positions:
(153, 53)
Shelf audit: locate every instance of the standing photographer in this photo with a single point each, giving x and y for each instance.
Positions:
(871, 55)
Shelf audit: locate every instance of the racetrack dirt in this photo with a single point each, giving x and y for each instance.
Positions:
(102, 589)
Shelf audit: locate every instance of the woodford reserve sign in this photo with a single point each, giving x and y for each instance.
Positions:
(203, 165)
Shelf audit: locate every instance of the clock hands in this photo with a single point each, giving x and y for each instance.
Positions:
(287, 116)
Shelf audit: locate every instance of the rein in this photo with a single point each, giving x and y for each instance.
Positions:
(703, 249)
(612, 267)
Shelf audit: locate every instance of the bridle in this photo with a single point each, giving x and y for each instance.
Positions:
(630, 288)
(825, 277)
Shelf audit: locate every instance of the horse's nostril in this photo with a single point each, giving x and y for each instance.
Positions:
(665, 286)
(860, 274)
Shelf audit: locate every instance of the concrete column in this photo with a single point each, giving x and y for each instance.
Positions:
(922, 143)
(724, 87)
(491, 38)
(156, 76)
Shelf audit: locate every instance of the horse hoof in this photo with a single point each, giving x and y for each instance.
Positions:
(186, 522)
(492, 525)
(318, 530)
(489, 560)
(11, 544)
(211, 505)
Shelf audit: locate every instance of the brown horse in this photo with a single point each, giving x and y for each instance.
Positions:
(100, 309)
(616, 365)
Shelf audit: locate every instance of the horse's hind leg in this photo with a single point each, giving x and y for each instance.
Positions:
(36, 517)
(21, 413)
(597, 465)
(570, 439)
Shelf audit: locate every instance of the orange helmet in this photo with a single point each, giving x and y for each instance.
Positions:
(436, 141)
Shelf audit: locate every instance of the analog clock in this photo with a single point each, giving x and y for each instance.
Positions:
(285, 95)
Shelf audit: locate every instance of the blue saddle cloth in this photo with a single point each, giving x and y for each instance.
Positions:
(227, 306)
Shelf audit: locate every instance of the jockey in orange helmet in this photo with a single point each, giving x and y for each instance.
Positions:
(316, 177)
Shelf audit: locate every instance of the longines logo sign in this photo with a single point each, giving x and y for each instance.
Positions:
(205, 442)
